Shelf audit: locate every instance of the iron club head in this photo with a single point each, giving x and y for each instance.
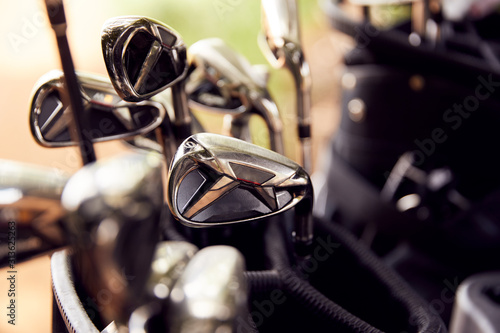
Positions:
(222, 80)
(218, 180)
(108, 116)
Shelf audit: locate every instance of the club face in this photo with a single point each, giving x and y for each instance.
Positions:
(211, 294)
(217, 180)
(142, 56)
(108, 116)
(220, 79)
(113, 211)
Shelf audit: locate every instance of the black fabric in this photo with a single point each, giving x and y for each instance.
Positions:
(343, 287)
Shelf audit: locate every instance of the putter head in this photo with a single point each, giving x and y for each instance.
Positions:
(143, 56)
(109, 117)
(113, 212)
(220, 79)
(218, 180)
(280, 30)
(30, 204)
(211, 293)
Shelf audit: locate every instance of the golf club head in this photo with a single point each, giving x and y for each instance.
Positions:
(143, 56)
(30, 208)
(222, 80)
(211, 294)
(281, 29)
(113, 211)
(109, 117)
(169, 261)
(217, 180)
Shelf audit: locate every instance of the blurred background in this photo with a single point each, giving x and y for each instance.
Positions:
(28, 51)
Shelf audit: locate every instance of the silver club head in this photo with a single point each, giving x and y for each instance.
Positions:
(211, 294)
(143, 56)
(30, 196)
(113, 212)
(109, 117)
(222, 80)
(217, 180)
(169, 261)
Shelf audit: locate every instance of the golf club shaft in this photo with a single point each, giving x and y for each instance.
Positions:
(55, 11)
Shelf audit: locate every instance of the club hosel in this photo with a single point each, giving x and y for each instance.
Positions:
(182, 122)
(303, 225)
(267, 108)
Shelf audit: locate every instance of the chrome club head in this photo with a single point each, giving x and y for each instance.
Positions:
(108, 116)
(169, 261)
(113, 209)
(222, 80)
(142, 56)
(280, 43)
(211, 294)
(30, 196)
(217, 180)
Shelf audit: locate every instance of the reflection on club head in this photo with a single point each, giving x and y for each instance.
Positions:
(107, 116)
(211, 294)
(217, 180)
(142, 56)
(113, 213)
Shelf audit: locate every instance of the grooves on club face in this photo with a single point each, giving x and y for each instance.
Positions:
(218, 180)
(211, 293)
(113, 214)
(108, 116)
(143, 56)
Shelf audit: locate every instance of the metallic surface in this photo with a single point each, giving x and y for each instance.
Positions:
(281, 46)
(144, 57)
(30, 195)
(108, 116)
(169, 261)
(211, 294)
(218, 180)
(222, 80)
(114, 209)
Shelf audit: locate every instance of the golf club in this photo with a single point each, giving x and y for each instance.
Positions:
(107, 116)
(216, 180)
(71, 92)
(30, 209)
(280, 43)
(144, 57)
(221, 80)
(211, 293)
(113, 213)
(169, 261)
